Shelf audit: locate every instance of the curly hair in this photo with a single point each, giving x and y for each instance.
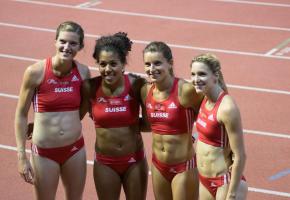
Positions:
(119, 43)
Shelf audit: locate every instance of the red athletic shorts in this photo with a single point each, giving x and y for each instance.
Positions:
(169, 171)
(212, 184)
(120, 164)
(59, 154)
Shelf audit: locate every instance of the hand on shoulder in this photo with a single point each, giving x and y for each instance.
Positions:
(188, 95)
(84, 70)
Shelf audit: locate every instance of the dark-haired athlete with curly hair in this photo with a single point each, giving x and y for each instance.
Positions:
(115, 102)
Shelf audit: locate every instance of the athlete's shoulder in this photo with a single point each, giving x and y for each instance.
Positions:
(228, 109)
(35, 72)
(83, 70)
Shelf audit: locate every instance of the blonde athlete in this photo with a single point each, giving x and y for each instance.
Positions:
(220, 147)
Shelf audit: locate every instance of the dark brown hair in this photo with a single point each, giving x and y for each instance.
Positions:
(70, 26)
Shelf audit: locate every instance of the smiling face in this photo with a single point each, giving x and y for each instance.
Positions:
(202, 77)
(67, 45)
(110, 67)
(156, 66)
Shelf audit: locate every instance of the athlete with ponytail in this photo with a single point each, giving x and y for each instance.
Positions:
(220, 149)
(171, 105)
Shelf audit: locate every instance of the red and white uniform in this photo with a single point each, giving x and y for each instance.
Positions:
(213, 183)
(210, 131)
(120, 164)
(58, 94)
(117, 111)
(59, 154)
(169, 117)
(169, 171)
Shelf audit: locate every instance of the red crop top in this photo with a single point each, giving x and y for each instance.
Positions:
(114, 111)
(169, 117)
(57, 94)
(210, 131)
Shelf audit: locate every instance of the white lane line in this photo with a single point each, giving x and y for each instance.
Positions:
(263, 133)
(256, 3)
(246, 131)
(256, 89)
(171, 45)
(9, 96)
(88, 4)
(27, 27)
(18, 57)
(280, 48)
(91, 162)
(272, 192)
(159, 16)
(271, 51)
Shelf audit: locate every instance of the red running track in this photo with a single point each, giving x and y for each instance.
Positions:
(250, 39)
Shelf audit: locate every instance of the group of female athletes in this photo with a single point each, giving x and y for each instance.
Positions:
(121, 106)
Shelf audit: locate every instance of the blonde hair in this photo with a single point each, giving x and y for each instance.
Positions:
(214, 65)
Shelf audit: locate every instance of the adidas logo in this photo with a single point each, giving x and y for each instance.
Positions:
(149, 106)
(211, 117)
(74, 78)
(213, 184)
(172, 170)
(127, 97)
(132, 160)
(172, 105)
(74, 149)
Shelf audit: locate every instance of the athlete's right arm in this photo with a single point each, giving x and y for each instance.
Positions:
(31, 79)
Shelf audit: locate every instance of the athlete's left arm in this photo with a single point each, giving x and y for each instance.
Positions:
(229, 115)
(85, 90)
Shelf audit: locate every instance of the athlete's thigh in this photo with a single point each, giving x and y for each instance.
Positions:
(185, 185)
(135, 181)
(204, 194)
(107, 182)
(161, 186)
(241, 192)
(46, 177)
(73, 174)
(222, 191)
